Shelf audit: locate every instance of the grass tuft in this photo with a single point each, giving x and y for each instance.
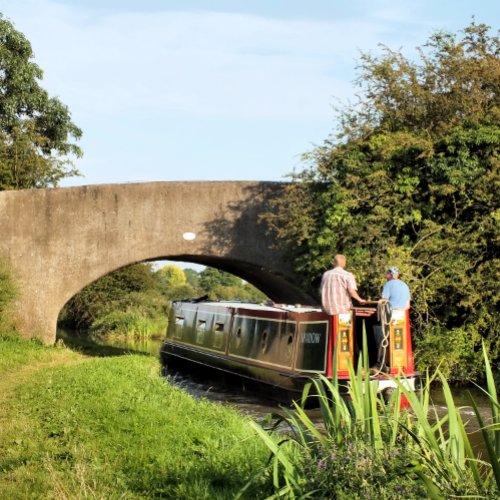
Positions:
(369, 449)
(82, 427)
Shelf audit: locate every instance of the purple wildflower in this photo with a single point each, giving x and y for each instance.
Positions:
(322, 465)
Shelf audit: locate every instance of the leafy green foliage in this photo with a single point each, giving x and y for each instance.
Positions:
(411, 179)
(192, 277)
(8, 293)
(171, 276)
(118, 298)
(357, 471)
(129, 323)
(220, 285)
(36, 130)
(135, 300)
(244, 292)
(450, 351)
(211, 278)
(369, 448)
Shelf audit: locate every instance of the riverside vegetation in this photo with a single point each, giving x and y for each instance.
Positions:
(410, 177)
(77, 426)
(414, 170)
(366, 448)
(135, 300)
(74, 426)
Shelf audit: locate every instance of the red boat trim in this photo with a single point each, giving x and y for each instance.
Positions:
(331, 340)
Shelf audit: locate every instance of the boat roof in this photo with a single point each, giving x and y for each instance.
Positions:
(297, 308)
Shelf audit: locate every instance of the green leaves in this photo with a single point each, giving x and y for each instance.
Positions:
(134, 300)
(36, 131)
(356, 434)
(220, 285)
(8, 293)
(412, 180)
(124, 297)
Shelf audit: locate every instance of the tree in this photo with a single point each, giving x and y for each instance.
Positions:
(411, 179)
(171, 276)
(192, 277)
(135, 295)
(220, 285)
(117, 290)
(36, 130)
(211, 278)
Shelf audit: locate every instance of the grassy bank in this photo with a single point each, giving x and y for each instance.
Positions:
(73, 426)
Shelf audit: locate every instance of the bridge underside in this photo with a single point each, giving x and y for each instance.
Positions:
(276, 287)
(59, 240)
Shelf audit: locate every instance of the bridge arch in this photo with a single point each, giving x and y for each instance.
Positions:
(59, 240)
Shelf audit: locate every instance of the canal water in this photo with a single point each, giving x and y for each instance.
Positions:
(214, 389)
(236, 395)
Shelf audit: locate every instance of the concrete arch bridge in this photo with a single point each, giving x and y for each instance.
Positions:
(57, 241)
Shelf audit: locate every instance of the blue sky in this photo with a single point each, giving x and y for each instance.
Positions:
(212, 90)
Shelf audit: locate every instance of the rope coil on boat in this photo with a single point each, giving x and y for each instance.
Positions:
(384, 314)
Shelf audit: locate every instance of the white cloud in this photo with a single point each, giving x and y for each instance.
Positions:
(199, 63)
(180, 95)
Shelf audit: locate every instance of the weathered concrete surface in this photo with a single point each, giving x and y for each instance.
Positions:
(59, 240)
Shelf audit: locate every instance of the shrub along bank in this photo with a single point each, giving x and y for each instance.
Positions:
(128, 301)
(78, 427)
(410, 177)
(370, 449)
(135, 300)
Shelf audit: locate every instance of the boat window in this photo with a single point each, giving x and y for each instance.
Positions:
(311, 346)
(200, 331)
(238, 338)
(288, 340)
(263, 341)
(289, 346)
(219, 337)
(179, 327)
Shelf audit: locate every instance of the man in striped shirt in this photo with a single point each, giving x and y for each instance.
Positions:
(337, 288)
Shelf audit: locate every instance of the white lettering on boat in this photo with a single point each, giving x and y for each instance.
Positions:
(311, 338)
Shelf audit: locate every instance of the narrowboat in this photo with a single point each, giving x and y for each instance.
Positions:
(282, 346)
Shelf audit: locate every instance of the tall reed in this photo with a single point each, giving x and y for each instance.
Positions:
(128, 323)
(446, 461)
(405, 453)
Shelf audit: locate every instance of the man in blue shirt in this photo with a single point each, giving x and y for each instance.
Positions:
(398, 295)
(395, 290)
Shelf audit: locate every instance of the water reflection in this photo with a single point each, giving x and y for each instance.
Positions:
(227, 393)
(104, 346)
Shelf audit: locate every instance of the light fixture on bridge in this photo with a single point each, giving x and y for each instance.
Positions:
(189, 236)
